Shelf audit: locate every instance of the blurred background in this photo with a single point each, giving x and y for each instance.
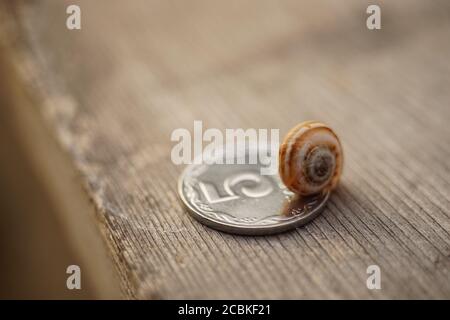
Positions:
(34, 250)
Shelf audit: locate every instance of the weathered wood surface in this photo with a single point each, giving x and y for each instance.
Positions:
(114, 91)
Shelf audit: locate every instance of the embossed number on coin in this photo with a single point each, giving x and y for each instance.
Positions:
(236, 198)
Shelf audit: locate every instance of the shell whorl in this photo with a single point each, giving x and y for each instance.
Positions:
(310, 158)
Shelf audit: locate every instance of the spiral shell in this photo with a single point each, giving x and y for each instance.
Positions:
(310, 159)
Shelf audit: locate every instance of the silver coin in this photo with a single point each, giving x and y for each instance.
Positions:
(236, 198)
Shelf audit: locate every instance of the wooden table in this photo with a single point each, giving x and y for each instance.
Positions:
(96, 107)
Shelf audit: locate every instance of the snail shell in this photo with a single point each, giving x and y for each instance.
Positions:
(310, 159)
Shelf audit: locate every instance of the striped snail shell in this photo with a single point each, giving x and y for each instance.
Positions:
(310, 159)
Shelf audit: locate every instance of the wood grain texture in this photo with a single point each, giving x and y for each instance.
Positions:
(114, 91)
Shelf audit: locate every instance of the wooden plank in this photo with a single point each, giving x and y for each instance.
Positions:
(47, 223)
(114, 91)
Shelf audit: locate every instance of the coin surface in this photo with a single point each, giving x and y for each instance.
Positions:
(236, 198)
